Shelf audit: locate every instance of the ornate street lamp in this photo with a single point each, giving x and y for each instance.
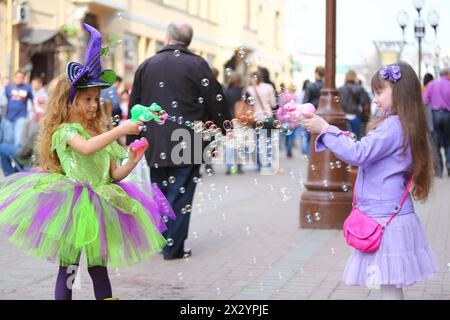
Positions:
(419, 26)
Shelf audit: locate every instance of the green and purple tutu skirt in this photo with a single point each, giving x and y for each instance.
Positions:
(54, 218)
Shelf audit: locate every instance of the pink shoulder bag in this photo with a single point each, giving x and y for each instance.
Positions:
(363, 232)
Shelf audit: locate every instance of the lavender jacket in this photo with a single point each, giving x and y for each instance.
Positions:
(384, 169)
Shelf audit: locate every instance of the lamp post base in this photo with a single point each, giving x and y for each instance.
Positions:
(324, 209)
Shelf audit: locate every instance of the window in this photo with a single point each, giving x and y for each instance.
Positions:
(205, 6)
(179, 4)
(251, 14)
(277, 30)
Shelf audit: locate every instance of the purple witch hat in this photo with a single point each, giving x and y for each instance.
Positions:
(90, 74)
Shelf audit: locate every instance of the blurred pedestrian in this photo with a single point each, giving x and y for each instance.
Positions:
(184, 83)
(40, 96)
(233, 93)
(355, 102)
(312, 95)
(301, 131)
(289, 96)
(427, 78)
(264, 100)
(3, 104)
(112, 94)
(265, 76)
(18, 94)
(437, 93)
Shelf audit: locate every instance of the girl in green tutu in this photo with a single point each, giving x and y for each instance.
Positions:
(77, 200)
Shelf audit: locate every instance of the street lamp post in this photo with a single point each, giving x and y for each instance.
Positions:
(419, 26)
(328, 198)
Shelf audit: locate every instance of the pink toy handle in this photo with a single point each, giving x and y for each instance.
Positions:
(139, 146)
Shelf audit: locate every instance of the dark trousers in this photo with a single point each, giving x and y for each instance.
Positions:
(184, 178)
(441, 137)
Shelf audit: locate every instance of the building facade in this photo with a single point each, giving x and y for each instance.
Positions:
(41, 36)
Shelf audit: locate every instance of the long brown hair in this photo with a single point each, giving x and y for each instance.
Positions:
(407, 104)
(57, 112)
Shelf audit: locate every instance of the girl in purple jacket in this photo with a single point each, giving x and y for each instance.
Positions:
(395, 150)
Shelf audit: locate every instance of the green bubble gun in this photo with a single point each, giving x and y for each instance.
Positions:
(154, 112)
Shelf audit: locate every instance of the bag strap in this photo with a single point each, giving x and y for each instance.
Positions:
(398, 208)
(401, 203)
(258, 97)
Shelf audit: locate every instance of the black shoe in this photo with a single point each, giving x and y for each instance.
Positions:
(186, 254)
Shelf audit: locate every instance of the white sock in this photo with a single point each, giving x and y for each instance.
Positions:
(391, 292)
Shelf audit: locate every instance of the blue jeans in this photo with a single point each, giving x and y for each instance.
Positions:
(304, 138)
(355, 127)
(441, 136)
(290, 140)
(11, 136)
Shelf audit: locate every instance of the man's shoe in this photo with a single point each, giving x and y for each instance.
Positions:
(186, 254)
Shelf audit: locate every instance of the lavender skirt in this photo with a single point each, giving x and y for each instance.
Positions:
(404, 257)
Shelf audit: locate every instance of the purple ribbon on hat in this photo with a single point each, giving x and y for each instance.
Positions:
(391, 73)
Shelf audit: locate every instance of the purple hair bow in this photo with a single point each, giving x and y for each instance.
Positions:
(391, 73)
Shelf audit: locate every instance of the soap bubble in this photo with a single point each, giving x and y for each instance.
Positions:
(161, 84)
(205, 82)
(277, 124)
(286, 129)
(317, 216)
(176, 53)
(227, 125)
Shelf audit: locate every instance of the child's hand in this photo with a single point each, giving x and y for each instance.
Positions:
(313, 123)
(131, 127)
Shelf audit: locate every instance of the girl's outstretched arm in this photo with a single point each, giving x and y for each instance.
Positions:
(94, 144)
(119, 173)
(379, 143)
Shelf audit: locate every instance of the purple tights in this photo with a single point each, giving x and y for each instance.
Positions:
(66, 277)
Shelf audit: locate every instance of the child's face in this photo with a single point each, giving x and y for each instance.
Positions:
(383, 98)
(87, 103)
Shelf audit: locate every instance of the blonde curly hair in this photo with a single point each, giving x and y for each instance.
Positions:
(58, 111)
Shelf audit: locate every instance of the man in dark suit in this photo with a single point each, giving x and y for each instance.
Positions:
(183, 84)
